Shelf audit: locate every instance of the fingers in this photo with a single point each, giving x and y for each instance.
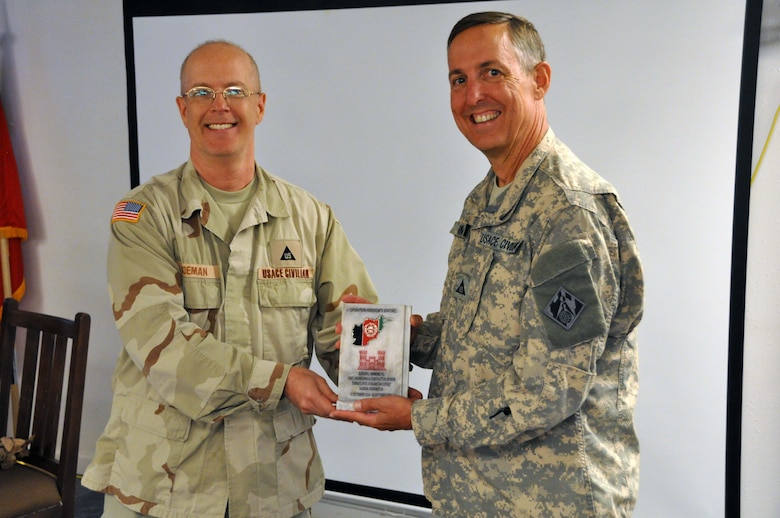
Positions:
(326, 391)
(309, 392)
(350, 416)
(385, 413)
(355, 299)
(322, 397)
(414, 394)
(342, 415)
(415, 321)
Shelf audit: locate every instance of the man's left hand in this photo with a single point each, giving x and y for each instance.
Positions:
(383, 413)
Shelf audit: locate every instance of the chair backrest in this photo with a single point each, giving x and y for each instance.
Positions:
(52, 346)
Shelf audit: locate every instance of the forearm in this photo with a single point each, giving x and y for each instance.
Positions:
(171, 337)
(199, 375)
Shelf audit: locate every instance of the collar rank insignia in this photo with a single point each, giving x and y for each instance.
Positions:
(460, 229)
(564, 308)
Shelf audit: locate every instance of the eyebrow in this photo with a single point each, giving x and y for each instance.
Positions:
(484, 64)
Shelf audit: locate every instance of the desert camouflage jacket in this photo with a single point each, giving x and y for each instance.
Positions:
(210, 330)
(530, 409)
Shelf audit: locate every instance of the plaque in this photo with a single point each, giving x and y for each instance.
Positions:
(374, 358)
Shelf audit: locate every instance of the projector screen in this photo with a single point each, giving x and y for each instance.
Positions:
(357, 113)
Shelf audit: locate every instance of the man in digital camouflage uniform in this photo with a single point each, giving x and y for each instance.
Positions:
(223, 279)
(534, 351)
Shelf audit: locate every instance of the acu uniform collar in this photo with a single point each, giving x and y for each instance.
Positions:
(478, 199)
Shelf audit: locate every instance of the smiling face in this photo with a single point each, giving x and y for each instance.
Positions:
(221, 130)
(496, 103)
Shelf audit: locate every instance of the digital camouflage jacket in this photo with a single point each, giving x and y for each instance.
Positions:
(210, 330)
(534, 352)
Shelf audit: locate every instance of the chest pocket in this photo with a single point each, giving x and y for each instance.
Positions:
(285, 293)
(201, 293)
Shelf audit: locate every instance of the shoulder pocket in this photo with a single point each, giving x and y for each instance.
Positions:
(566, 295)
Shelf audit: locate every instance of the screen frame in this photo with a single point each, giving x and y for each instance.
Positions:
(751, 38)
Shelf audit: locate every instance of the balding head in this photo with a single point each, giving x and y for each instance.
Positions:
(211, 45)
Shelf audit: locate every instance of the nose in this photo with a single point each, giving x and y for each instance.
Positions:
(474, 92)
(220, 102)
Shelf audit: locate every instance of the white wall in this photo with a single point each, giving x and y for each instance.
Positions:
(64, 93)
(63, 88)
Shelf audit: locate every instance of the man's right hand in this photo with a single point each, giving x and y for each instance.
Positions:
(309, 391)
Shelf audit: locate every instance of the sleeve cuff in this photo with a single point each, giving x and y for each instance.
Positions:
(266, 385)
(425, 422)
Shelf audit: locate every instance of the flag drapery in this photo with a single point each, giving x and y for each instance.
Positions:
(13, 226)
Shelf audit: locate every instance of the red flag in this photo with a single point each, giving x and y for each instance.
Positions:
(13, 227)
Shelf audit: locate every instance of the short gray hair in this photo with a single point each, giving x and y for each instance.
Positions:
(526, 39)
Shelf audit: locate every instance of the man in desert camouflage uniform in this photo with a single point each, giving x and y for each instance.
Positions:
(534, 351)
(223, 280)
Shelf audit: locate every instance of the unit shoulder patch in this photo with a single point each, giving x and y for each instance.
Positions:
(564, 308)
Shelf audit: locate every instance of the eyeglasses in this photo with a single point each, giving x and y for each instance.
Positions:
(206, 95)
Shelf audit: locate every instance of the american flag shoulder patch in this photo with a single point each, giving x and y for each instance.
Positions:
(128, 211)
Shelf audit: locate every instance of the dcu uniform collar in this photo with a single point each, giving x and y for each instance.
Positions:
(268, 200)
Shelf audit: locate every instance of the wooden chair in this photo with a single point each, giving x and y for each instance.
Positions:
(43, 484)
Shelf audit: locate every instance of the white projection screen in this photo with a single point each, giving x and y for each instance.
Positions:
(648, 94)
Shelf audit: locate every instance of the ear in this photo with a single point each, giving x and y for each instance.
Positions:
(542, 76)
(260, 107)
(182, 104)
